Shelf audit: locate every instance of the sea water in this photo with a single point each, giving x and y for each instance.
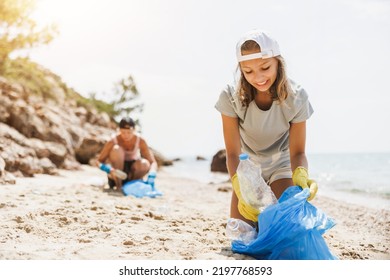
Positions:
(362, 179)
(190, 167)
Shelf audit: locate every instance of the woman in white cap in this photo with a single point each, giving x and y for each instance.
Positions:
(129, 152)
(265, 116)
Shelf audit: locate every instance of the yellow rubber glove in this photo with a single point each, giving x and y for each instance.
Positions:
(247, 211)
(300, 178)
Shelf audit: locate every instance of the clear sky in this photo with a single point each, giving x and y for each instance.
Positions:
(182, 53)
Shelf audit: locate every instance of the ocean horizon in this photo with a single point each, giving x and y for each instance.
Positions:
(358, 178)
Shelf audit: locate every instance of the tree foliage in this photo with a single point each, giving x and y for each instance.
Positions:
(126, 97)
(124, 100)
(18, 30)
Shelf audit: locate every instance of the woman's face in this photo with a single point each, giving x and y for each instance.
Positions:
(127, 133)
(260, 73)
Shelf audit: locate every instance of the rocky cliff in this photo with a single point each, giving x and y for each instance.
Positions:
(41, 135)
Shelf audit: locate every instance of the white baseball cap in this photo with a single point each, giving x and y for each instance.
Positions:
(268, 46)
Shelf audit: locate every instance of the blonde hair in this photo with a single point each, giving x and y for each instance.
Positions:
(279, 90)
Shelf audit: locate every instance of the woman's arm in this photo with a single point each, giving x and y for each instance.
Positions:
(105, 151)
(298, 159)
(147, 154)
(231, 135)
(297, 145)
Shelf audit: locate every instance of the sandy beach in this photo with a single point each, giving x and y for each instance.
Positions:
(73, 217)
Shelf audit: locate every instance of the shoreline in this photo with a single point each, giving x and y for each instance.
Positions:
(200, 172)
(66, 217)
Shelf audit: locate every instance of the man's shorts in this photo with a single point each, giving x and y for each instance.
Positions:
(127, 169)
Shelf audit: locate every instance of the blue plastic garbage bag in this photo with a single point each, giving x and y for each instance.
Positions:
(140, 188)
(290, 230)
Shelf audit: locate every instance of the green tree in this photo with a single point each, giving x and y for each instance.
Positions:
(18, 31)
(122, 101)
(126, 98)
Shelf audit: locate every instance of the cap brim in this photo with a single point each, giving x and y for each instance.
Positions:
(263, 55)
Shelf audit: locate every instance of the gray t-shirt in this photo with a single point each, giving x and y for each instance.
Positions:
(265, 134)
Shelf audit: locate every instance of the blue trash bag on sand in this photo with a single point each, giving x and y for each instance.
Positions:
(139, 189)
(290, 230)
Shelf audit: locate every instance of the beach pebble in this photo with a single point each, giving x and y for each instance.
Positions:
(128, 243)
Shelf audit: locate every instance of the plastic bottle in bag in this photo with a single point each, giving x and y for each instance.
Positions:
(151, 177)
(237, 229)
(254, 189)
(118, 173)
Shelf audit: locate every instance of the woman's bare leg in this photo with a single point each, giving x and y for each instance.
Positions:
(116, 158)
(139, 169)
(279, 186)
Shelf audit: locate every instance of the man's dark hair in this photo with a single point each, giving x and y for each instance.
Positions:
(126, 122)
